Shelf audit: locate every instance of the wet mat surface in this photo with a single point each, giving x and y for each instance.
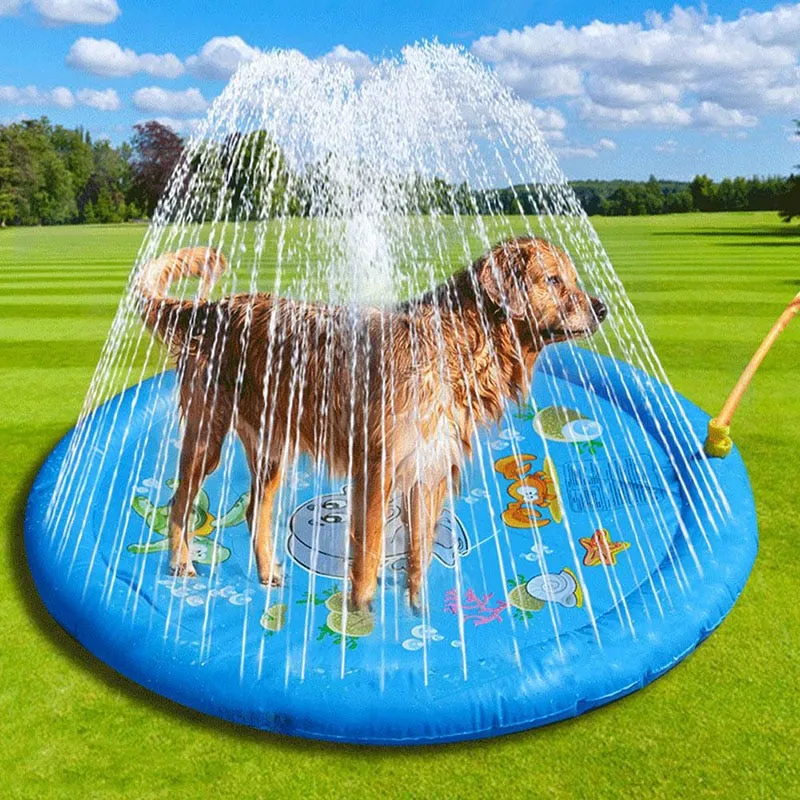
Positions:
(570, 569)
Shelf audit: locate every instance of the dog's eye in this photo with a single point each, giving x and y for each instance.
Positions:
(554, 280)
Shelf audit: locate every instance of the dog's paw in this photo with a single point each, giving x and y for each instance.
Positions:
(360, 604)
(273, 577)
(183, 569)
(415, 602)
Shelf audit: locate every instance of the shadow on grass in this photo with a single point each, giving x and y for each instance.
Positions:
(787, 232)
(81, 658)
(795, 243)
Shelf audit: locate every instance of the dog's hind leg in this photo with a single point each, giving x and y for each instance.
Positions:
(200, 455)
(423, 507)
(370, 497)
(266, 481)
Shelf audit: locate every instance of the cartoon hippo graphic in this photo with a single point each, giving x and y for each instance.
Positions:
(319, 531)
(556, 587)
(204, 549)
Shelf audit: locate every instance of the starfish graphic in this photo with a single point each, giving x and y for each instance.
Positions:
(601, 550)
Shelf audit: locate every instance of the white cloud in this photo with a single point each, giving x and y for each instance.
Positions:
(538, 82)
(550, 122)
(10, 7)
(687, 69)
(668, 146)
(219, 57)
(181, 126)
(659, 115)
(610, 92)
(154, 99)
(88, 12)
(101, 99)
(33, 96)
(360, 63)
(61, 97)
(107, 58)
(714, 117)
(587, 150)
(576, 151)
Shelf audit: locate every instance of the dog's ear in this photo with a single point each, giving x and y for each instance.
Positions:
(500, 277)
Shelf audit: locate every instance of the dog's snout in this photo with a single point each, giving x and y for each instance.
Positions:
(599, 309)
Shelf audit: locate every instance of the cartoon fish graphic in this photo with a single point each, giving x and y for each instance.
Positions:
(319, 532)
(557, 587)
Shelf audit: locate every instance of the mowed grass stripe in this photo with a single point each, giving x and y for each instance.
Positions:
(734, 699)
(54, 353)
(56, 311)
(51, 299)
(56, 328)
(52, 394)
(45, 291)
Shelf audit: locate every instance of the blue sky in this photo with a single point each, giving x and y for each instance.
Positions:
(625, 90)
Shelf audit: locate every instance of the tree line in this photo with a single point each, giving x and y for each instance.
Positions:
(630, 198)
(51, 175)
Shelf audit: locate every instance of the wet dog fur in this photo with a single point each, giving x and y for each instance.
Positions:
(389, 398)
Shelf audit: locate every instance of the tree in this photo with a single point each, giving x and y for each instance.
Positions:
(731, 195)
(790, 201)
(36, 177)
(254, 175)
(703, 193)
(7, 190)
(109, 185)
(74, 147)
(678, 202)
(156, 152)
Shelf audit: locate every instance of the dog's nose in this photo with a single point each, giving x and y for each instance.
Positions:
(599, 308)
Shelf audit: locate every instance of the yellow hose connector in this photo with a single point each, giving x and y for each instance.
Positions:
(718, 442)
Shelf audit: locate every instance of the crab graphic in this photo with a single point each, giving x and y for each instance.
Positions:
(204, 549)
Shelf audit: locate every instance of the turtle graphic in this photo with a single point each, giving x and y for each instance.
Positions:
(344, 621)
(202, 522)
(562, 424)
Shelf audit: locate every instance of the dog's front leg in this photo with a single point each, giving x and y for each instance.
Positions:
(200, 454)
(259, 517)
(370, 497)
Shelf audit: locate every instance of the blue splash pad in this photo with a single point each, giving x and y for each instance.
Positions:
(531, 620)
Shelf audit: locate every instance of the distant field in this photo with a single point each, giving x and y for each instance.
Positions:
(722, 724)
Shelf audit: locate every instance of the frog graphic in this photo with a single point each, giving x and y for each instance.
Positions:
(205, 550)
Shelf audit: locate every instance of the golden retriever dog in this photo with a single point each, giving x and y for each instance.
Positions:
(389, 398)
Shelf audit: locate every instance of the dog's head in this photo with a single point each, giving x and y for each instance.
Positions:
(535, 284)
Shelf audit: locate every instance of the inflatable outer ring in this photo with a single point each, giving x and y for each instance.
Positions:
(513, 701)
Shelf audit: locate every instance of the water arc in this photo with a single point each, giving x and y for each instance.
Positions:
(587, 544)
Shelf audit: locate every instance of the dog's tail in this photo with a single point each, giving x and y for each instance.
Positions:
(167, 316)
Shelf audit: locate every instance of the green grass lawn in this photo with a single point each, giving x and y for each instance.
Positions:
(725, 723)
